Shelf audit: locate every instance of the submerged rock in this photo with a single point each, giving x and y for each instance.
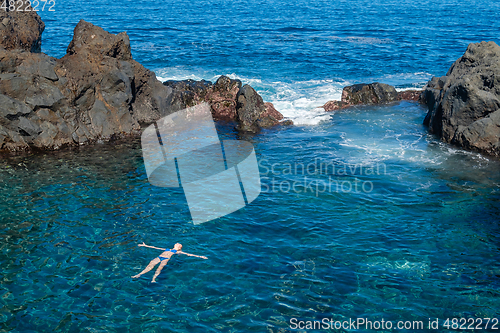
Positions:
(464, 105)
(370, 94)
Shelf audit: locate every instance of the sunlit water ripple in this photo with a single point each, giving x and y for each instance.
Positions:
(423, 240)
(424, 243)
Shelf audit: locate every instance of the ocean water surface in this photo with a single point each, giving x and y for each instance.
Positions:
(363, 214)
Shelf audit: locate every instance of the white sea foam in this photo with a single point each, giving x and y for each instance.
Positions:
(299, 101)
(406, 81)
(408, 88)
(364, 40)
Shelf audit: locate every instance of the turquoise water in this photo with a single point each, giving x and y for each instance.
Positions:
(422, 243)
(404, 228)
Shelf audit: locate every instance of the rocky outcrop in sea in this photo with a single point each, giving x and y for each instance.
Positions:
(370, 94)
(229, 101)
(97, 92)
(464, 105)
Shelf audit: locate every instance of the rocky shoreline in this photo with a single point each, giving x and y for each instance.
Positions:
(97, 92)
(464, 105)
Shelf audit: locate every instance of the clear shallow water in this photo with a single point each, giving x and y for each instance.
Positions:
(422, 241)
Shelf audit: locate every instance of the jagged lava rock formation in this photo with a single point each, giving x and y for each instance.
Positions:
(464, 105)
(229, 101)
(96, 92)
(370, 94)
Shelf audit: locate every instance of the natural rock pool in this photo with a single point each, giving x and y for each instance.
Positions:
(421, 242)
(406, 228)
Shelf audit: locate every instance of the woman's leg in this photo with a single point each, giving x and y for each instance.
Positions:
(158, 270)
(149, 267)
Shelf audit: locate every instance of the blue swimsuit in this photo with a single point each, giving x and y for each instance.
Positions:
(164, 258)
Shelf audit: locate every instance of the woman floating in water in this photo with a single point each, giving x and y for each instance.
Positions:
(163, 259)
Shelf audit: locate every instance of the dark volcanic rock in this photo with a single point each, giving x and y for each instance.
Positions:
(272, 112)
(371, 94)
(364, 94)
(367, 94)
(464, 105)
(223, 98)
(188, 93)
(482, 135)
(96, 42)
(410, 95)
(150, 101)
(228, 100)
(30, 82)
(250, 107)
(21, 29)
(335, 105)
(95, 92)
(270, 117)
(108, 92)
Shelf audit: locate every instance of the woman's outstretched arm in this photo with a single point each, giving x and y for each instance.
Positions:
(152, 247)
(192, 255)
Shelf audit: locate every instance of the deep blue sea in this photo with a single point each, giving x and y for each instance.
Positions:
(409, 231)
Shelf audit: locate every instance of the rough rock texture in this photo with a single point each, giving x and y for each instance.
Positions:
(250, 106)
(366, 94)
(150, 101)
(188, 93)
(21, 29)
(28, 86)
(270, 117)
(411, 95)
(371, 94)
(95, 92)
(363, 94)
(335, 105)
(464, 105)
(223, 98)
(229, 101)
